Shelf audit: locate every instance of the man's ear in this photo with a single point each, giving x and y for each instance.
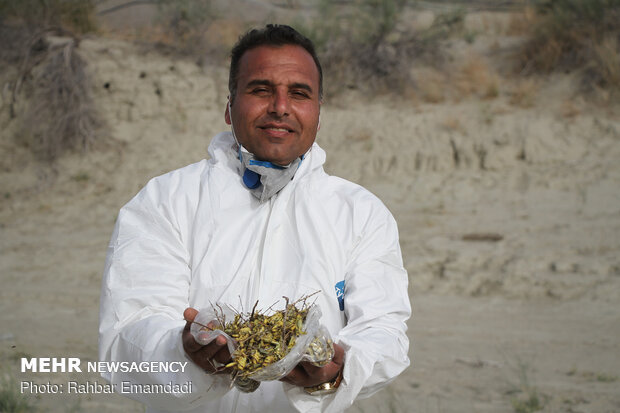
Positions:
(227, 113)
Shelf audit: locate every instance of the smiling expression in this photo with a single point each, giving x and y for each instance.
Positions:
(275, 111)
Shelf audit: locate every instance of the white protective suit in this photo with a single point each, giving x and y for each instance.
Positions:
(197, 236)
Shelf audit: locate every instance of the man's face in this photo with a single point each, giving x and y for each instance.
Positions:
(275, 111)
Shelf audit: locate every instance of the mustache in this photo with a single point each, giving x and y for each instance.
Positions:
(278, 122)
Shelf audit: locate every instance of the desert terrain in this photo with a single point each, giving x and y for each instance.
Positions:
(506, 191)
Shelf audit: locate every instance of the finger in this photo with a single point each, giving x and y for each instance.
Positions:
(190, 345)
(212, 363)
(190, 314)
(223, 356)
(208, 353)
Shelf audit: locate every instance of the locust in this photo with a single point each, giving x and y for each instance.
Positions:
(262, 339)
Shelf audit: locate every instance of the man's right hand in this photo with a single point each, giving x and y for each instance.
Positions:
(207, 356)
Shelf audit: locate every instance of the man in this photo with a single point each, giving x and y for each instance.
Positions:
(260, 220)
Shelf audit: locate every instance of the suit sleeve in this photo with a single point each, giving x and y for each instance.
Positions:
(377, 308)
(144, 293)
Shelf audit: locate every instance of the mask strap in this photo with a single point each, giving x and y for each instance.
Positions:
(232, 127)
(251, 179)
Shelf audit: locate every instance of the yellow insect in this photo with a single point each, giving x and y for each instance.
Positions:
(262, 340)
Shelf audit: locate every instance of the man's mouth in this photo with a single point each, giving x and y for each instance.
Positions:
(275, 128)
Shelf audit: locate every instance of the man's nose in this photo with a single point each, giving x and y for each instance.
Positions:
(280, 104)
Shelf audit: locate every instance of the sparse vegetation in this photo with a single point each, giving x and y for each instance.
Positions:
(529, 405)
(59, 114)
(354, 44)
(183, 26)
(11, 400)
(576, 34)
(50, 94)
(592, 376)
(527, 398)
(77, 16)
(362, 47)
(81, 177)
(606, 378)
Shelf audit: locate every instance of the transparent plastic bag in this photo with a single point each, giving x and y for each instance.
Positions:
(205, 316)
(315, 346)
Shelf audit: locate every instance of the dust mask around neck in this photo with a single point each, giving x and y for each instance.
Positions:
(264, 179)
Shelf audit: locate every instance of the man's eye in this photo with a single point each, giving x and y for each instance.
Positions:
(260, 90)
(299, 94)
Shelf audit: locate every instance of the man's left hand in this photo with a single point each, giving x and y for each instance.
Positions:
(305, 374)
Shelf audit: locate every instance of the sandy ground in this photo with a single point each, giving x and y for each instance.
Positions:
(509, 217)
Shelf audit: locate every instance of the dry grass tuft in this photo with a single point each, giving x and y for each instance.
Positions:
(475, 77)
(604, 70)
(62, 115)
(572, 35)
(51, 97)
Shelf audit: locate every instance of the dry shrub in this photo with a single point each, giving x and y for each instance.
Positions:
(576, 34)
(356, 46)
(59, 114)
(370, 67)
(189, 28)
(50, 95)
(62, 115)
(77, 16)
(604, 70)
(425, 46)
(364, 50)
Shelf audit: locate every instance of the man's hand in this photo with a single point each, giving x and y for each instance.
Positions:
(305, 374)
(208, 356)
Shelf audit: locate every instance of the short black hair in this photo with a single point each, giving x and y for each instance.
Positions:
(270, 35)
